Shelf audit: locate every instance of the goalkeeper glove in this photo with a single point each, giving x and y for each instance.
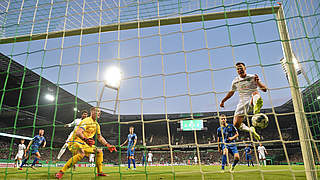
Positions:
(89, 141)
(111, 148)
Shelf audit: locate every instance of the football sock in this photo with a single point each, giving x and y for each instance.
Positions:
(72, 161)
(129, 163)
(23, 162)
(63, 149)
(34, 161)
(255, 99)
(248, 163)
(235, 162)
(134, 163)
(17, 163)
(265, 162)
(224, 161)
(252, 163)
(99, 160)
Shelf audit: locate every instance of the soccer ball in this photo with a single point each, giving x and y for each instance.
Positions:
(260, 120)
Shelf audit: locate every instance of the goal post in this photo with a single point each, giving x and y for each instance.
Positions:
(302, 123)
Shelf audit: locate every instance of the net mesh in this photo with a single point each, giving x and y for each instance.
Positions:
(177, 60)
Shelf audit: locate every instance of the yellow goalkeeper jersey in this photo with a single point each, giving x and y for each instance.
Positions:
(90, 128)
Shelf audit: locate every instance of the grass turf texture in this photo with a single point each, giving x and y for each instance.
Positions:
(164, 172)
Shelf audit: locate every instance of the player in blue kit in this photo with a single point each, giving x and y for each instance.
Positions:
(227, 134)
(35, 143)
(132, 141)
(247, 153)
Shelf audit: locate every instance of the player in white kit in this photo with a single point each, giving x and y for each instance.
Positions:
(250, 99)
(150, 157)
(262, 154)
(195, 160)
(74, 124)
(21, 152)
(91, 159)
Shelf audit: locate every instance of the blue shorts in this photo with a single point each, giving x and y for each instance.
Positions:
(130, 152)
(34, 151)
(248, 157)
(232, 148)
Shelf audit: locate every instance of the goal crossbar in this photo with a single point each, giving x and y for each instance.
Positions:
(144, 24)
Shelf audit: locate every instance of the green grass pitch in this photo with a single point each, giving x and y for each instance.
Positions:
(163, 173)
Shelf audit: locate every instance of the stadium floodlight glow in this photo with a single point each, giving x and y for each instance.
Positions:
(112, 77)
(49, 97)
(75, 109)
(318, 97)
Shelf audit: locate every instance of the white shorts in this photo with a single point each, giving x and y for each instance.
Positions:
(19, 155)
(149, 160)
(91, 158)
(243, 107)
(262, 156)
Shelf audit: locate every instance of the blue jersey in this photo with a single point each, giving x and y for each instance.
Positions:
(247, 150)
(131, 139)
(228, 131)
(37, 141)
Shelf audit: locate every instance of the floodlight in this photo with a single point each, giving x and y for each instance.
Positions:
(112, 77)
(49, 97)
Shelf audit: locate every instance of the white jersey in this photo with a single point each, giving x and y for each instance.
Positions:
(195, 159)
(75, 123)
(245, 86)
(261, 151)
(21, 149)
(150, 156)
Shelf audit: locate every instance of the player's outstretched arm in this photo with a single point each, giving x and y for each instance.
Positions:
(125, 142)
(70, 124)
(44, 144)
(228, 96)
(103, 141)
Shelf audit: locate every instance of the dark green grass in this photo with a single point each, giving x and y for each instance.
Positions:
(163, 173)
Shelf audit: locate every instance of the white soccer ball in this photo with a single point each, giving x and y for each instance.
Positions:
(260, 120)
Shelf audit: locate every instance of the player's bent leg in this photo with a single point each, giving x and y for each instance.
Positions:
(237, 120)
(35, 159)
(257, 102)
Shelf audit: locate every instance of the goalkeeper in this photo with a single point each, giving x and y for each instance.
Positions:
(82, 143)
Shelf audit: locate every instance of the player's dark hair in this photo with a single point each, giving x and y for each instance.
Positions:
(222, 115)
(84, 111)
(240, 63)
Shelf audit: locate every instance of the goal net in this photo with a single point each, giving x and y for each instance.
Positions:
(162, 67)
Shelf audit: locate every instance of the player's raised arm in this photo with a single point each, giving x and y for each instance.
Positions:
(73, 123)
(228, 96)
(262, 86)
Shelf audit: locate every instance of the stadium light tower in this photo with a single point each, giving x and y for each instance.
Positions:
(297, 66)
(112, 79)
